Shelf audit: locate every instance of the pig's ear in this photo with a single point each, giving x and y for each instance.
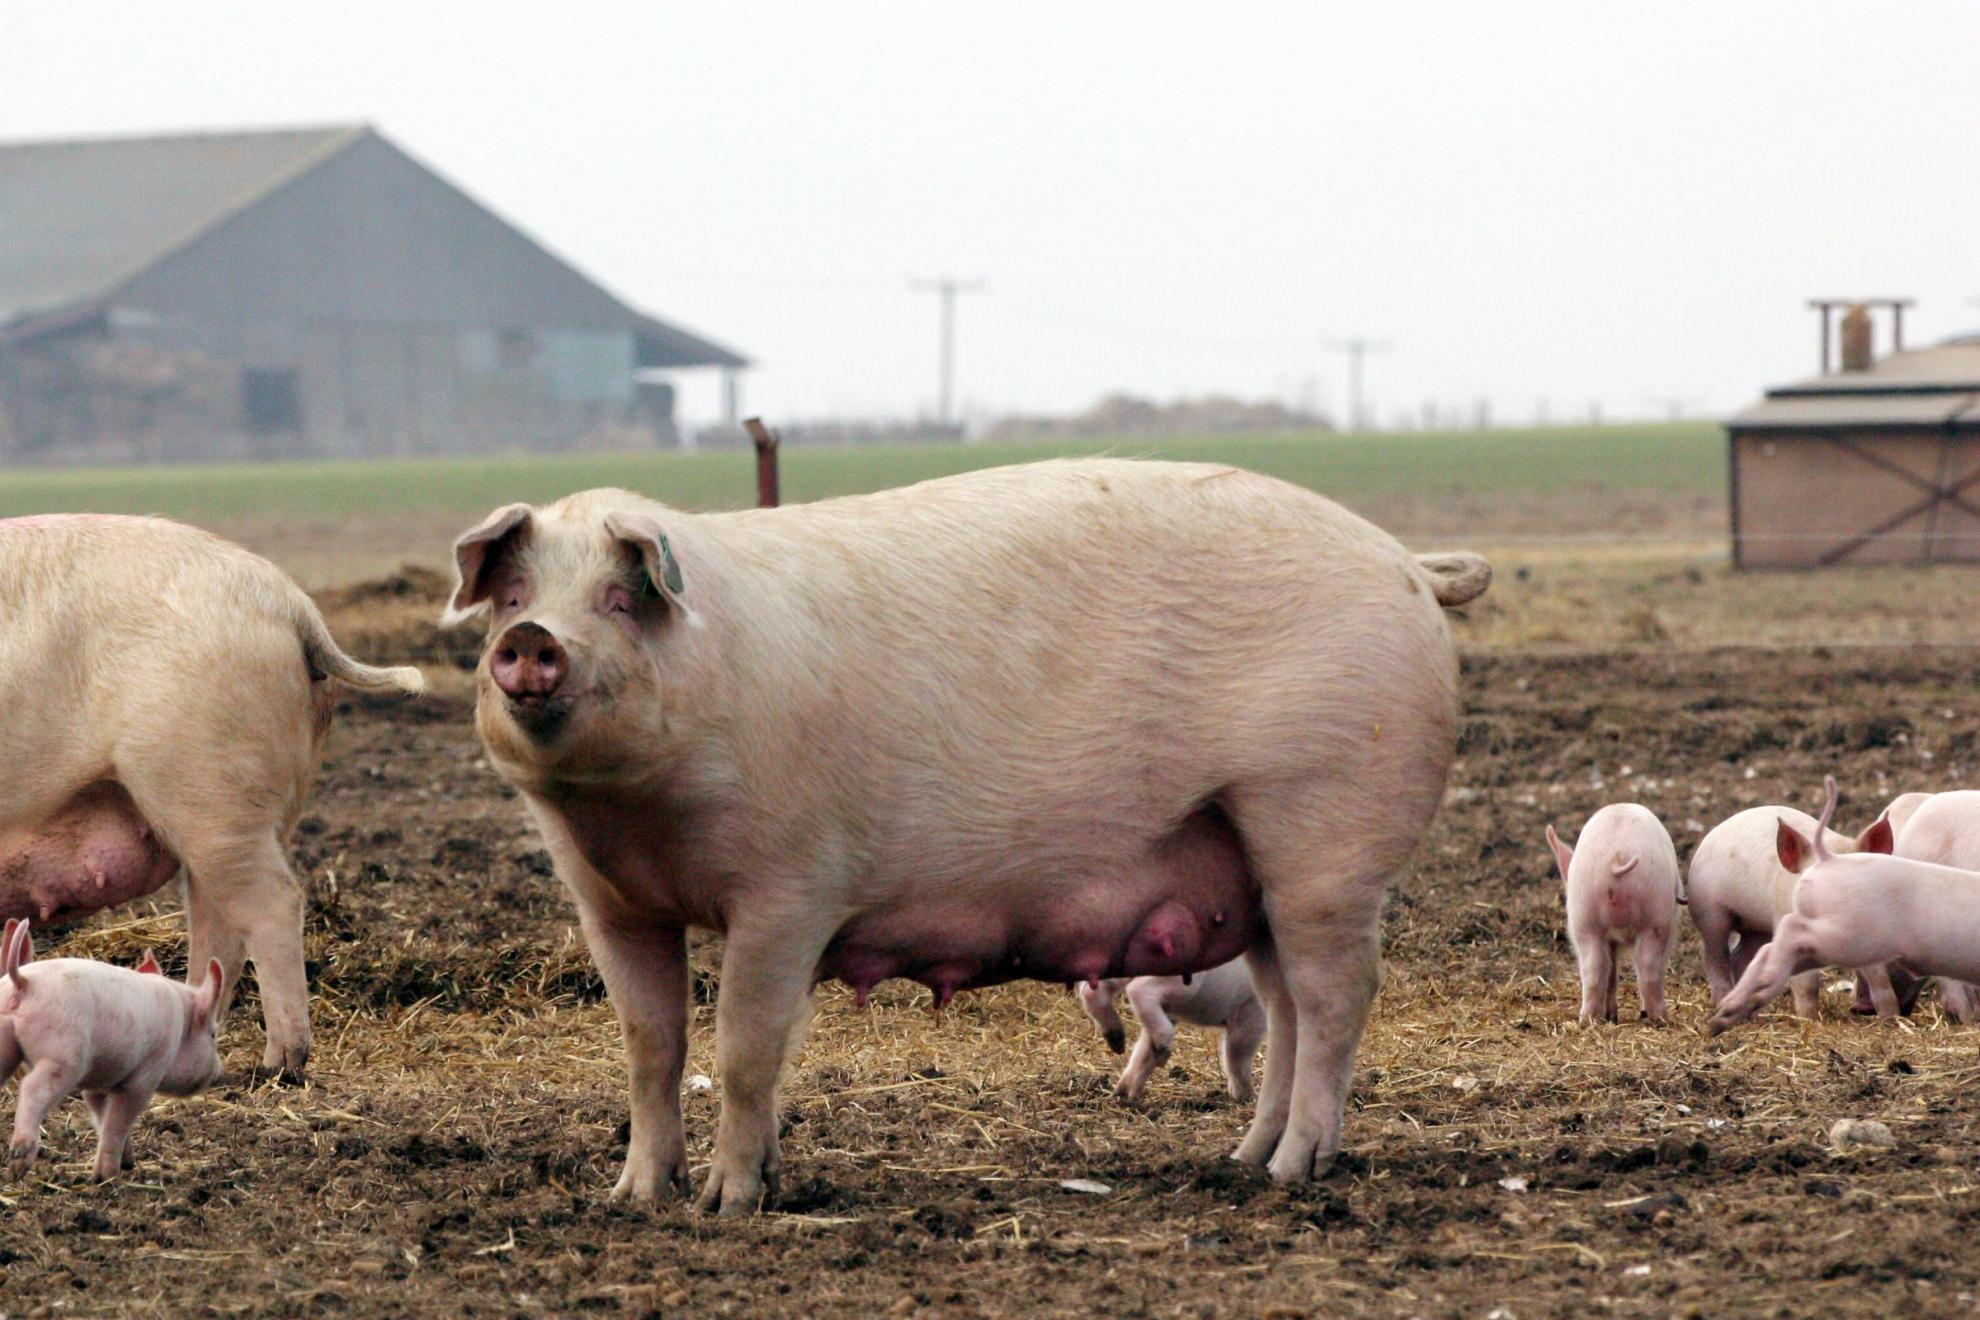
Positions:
(148, 964)
(207, 998)
(1562, 853)
(646, 538)
(1878, 838)
(1793, 850)
(477, 554)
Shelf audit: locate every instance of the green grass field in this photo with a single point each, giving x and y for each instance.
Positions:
(1686, 458)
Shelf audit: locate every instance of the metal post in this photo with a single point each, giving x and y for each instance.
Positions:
(765, 441)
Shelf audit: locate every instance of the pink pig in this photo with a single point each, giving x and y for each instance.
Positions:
(1857, 910)
(1942, 828)
(1622, 888)
(1222, 997)
(116, 1035)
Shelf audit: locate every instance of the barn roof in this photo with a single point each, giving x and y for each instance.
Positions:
(1925, 387)
(81, 219)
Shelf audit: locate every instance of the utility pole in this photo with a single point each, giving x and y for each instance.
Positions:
(947, 287)
(1356, 349)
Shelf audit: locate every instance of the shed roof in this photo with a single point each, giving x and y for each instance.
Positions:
(81, 219)
(1925, 387)
(77, 219)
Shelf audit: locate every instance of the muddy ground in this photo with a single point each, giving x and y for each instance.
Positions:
(465, 1113)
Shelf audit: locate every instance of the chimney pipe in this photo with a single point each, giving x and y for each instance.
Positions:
(1857, 349)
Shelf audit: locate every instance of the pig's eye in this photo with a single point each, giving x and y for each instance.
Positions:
(619, 601)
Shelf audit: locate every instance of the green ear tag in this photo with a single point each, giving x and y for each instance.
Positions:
(670, 571)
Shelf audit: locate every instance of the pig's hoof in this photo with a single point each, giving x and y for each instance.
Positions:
(1117, 1041)
(286, 1063)
(1290, 1166)
(660, 1181)
(19, 1156)
(735, 1192)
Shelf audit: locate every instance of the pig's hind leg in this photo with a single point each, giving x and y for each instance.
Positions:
(10, 1051)
(243, 903)
(1323, 850)
(1651, 956)
(1597, 959)
(44, 1087)
(1883, 996)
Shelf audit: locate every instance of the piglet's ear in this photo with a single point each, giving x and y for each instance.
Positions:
(206, 999)
(1794, 851)
(477, 554)
(1878, 838)
(148, 964)
(646, 538)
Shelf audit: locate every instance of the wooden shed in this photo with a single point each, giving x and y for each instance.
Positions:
(1876, 465)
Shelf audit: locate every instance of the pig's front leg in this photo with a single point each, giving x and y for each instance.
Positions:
(1957, 998)
(1792, 950)
(115, 1116)
(767, 971)
(645, 970)
(96, 1101)
(1244, 1032)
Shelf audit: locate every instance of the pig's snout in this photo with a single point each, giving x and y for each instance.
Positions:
(527, 663)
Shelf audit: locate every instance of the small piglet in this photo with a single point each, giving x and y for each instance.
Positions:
(118, 1036)
(1622, 888)
(1739, 891)
(1858, 910)
(1221, 998)
(1943, 828)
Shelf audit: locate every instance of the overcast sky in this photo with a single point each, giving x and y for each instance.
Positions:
(1604, 202)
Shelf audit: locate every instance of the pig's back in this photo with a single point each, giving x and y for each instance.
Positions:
(1086, 647)
(108, 614)
(1944, 829)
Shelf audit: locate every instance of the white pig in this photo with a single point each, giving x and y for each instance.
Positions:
(1857, 910)
(1060, 721)
(164, 696)
(1222, 998)
(118, 1036)
(1738, 889)
(1943, 828)
(1622, 889)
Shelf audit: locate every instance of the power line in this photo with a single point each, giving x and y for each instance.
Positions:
(946, 288)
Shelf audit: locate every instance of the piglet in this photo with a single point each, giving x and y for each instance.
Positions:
(1860, 909)
(1943, 828)
(1221, 998)
(1622, 888)
(118, 1036)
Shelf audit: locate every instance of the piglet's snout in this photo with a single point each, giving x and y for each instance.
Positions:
(527, 663)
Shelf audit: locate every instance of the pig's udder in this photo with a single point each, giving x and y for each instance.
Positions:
(1189, 903)
(95, 852)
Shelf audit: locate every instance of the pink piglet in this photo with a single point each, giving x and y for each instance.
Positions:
(117, 1035)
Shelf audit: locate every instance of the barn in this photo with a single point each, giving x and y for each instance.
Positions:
(1877, 462)
(302, 293)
